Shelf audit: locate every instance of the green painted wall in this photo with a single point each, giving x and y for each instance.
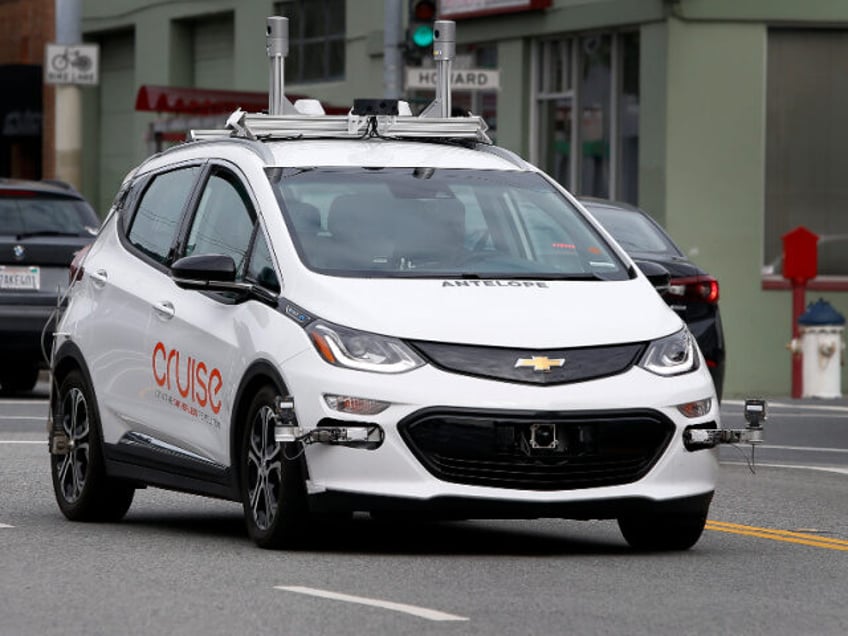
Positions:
(513, 105)
(714, 179)
(772, 11)
(715, 168)
(653, 86)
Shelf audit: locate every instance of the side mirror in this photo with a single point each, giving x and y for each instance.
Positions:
(657, 274)
(205, 271)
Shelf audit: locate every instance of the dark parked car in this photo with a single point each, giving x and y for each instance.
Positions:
(693, 293)
(42, 225)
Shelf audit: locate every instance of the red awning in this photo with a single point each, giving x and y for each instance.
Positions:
(205, 101)
(197, 101)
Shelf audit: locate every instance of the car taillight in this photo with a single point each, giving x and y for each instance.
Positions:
(76, 270)
(702, 289)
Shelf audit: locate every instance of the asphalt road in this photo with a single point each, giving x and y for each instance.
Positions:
(774, 559)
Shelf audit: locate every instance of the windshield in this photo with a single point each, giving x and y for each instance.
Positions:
(439, 223)
(634, 231)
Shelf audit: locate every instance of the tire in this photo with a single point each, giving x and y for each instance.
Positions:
(273, 488)
(82, 488)
(18, 380)
(663, 532)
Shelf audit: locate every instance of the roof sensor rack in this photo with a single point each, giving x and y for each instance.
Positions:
(389, 118)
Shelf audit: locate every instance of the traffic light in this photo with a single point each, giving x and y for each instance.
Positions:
(422, 13)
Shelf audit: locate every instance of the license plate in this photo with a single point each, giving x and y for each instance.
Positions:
(20, 277)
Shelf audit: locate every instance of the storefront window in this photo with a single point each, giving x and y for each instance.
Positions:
(628, 117)
(316, 39)
(594, 98)
(806, 136)
(587, 97)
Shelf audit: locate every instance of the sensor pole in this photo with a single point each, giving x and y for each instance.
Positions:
(277, 46)
(444, 52)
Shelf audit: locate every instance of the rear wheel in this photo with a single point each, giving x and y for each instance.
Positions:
(663, 532)
(83, 490)
(272, 480)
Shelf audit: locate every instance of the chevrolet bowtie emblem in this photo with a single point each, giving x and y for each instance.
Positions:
(540, 363)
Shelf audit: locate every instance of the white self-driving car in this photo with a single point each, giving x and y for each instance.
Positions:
(318, 314)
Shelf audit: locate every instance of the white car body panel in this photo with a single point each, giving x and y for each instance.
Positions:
(563, 314)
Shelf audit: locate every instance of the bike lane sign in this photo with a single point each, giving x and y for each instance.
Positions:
(72, 64)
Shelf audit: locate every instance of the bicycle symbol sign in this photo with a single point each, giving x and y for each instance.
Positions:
(71, 64)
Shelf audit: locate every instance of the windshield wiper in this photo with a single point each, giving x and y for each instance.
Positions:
(523, 276)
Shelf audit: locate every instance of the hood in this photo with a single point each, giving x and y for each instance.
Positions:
(507, 313)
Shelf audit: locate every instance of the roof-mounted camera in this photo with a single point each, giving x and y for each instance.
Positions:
(367, 107)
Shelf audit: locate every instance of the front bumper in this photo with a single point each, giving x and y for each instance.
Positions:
(406, 468)
(462, 508)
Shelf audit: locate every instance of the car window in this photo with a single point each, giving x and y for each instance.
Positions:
(401, 222)
(157, 218)
(260, 269)
(31, 213)
(223, 223)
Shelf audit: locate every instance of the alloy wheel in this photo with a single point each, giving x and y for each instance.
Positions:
(264, 469)
(73, 467)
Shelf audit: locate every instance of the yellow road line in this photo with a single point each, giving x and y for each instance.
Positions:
(788, 536)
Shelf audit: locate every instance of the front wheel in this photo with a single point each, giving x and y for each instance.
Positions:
(663, 532)
(83, 490)
(272, 480)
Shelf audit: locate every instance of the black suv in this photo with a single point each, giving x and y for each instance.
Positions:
(42, 225)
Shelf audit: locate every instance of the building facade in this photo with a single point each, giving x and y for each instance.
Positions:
(26, 104)
(722, 118)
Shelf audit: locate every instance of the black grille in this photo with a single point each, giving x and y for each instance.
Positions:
(500, 363)
(537, 451)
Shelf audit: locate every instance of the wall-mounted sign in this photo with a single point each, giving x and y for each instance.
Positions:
(72, 64)
(457, 9)
(466, 79)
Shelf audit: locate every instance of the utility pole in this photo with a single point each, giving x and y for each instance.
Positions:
(68, 129)
(392, 41)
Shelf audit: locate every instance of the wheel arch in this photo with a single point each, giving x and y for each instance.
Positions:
(258, 374)
(67, 358)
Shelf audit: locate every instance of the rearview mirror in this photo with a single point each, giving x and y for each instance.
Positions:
(212, 267)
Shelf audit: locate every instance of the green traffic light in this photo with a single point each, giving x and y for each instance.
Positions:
(423, 35)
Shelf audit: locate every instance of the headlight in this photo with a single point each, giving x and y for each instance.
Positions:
(353, 349)
(671, 355)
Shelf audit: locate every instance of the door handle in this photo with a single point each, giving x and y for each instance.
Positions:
(164, 309)
(99, 278)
